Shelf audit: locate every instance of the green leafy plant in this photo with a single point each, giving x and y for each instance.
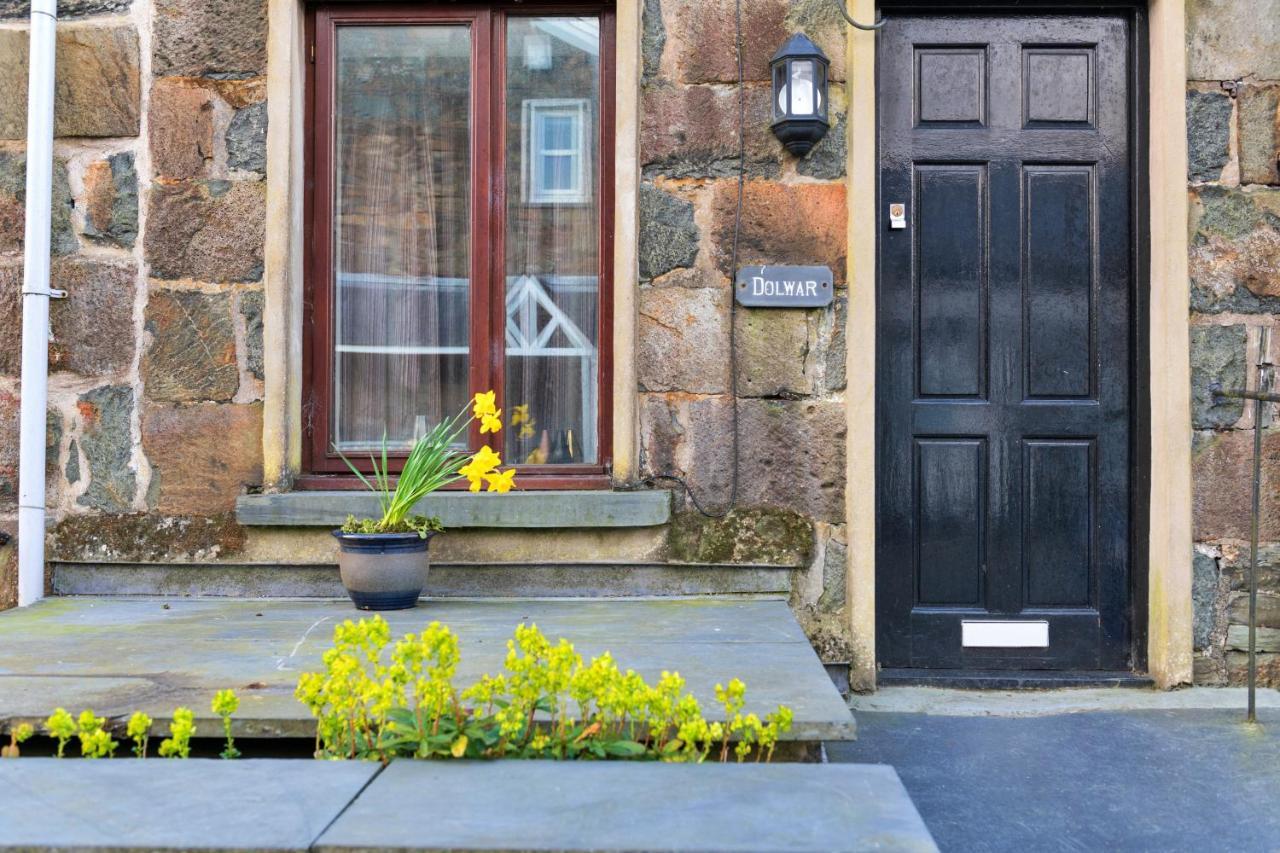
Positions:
(17, 735)
(548, 703)
(434, 461)
(139, 729)
(181, 730)
(423, 525)
(225, 703)
(95, 740)
(62, 726)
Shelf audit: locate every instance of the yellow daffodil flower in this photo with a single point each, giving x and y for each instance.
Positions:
(501, 481)
(484, 461)
(491, 423)
(526, 431)
(520, 414)
(485, 404)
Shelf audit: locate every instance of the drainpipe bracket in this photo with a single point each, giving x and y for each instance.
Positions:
(52, 293)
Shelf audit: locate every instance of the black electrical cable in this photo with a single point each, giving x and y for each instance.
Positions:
(868, 27)
(733, 303)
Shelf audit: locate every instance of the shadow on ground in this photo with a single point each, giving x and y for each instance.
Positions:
(1140, 780)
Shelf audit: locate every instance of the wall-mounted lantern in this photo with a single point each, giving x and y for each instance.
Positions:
(799, 94)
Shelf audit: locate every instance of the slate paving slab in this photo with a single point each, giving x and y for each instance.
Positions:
(118, 655)
(1147, 780)
(625, 806)
(126, 804)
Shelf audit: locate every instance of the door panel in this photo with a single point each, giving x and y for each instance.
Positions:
(1003, 339)
(950, 475)
(1058, 242)
(1057, 540)
(951, 301)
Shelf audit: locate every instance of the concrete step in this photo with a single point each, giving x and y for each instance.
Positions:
(127, 805)
(997, 679)
(445, 580)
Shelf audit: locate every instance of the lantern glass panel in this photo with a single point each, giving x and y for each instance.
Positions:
(821, 87)
(805, 100)
(780, 91)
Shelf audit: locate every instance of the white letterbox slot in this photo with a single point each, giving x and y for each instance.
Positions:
(1006, 634)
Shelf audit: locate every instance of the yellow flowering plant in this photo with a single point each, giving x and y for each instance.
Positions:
(435, 461)
(95, 741)
(181, 730)
(139, 731)
(225, 703)
(17, 735)
(547, 703)
(61, 726)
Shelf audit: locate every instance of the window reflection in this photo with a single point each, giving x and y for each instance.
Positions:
(402, 237)
(552, 239)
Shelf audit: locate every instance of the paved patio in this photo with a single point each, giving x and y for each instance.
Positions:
(1167, 780)
(117, 655)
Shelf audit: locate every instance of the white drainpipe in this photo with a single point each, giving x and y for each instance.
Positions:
(35, 302)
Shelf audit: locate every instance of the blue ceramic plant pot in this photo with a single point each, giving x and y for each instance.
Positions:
(383, 571)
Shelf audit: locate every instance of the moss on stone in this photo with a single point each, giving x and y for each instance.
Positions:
(145, 538)
(770, 536)
(828, 633)
(8, 576)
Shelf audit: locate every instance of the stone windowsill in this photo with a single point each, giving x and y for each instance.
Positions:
(463, 509)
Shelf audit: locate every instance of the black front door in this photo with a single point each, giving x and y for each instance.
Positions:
(1004, 343)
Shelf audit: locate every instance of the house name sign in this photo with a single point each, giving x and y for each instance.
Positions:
(784, 287)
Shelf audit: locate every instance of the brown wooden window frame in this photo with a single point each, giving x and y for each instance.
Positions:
(322, 467)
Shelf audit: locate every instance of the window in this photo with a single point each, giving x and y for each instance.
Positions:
(556, 166)
(460, 163)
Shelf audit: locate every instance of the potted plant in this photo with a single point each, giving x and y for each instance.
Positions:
(384, 561)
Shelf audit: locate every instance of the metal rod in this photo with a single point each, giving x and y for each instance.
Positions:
(1252, 715)
(1264, 386)
(1262, 394)
(1249, 395)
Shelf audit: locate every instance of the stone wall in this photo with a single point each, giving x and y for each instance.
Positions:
(157, 363)
(158, 220)
(1233, 134)
(159, 209)
(790, 374)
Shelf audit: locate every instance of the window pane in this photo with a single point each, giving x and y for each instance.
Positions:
(402, 236)
(558, 133)
(552, 243)
(558, 172)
